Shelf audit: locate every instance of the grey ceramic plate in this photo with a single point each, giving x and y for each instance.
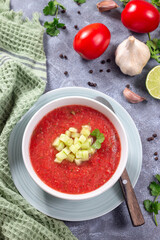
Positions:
(64, 209)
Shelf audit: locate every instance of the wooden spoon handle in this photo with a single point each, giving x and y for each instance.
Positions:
(131, 200)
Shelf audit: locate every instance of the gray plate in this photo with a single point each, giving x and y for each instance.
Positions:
(65, 209)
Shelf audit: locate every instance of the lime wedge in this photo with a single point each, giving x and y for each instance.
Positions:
(153, 82)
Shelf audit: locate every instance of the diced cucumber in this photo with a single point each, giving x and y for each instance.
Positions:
(66, 150)
(85, 131)
(91, 150)
(60, 146)
(73, 149)
(57, 160)
(78, 145)
(68, 133)
(71, 157)
(73, 130)
(61, 155)
(82, 154)
(82, 138)
(74, 135)
(56, 142)
(75, 140)
(79, 154)
(87, 127)
(78, 162)
(86, 145)
(73, 146)
(67, 140)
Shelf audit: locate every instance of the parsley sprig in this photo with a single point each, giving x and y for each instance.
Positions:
(99, 138)
(153, 206)
(80, 1)
(52, 28)
(52, 8)
(154, 47)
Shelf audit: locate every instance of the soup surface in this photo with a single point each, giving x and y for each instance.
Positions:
(67, 177)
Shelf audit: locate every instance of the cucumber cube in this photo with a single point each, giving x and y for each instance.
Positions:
(82, 138)
(78, 145)
(74, 135)
(73, 149)
(85, 132)
(73, 130)
(91, 150)
(87, 127)
(78, 162)
(68, 133)
(83, 155)
(56, 142)
(66, 150)
(61, 155)
(67, 140)
(85, 145)
(75, 140)
(71, 157)
(60, 146)
(79, 154)
(57, 160)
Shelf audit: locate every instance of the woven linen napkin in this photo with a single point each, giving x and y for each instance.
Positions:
(22, 81)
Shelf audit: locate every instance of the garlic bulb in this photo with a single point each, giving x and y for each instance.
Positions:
(131, 56)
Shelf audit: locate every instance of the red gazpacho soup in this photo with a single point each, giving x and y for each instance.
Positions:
(67, 177)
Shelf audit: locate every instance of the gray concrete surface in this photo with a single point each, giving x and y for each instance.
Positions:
(116, 224)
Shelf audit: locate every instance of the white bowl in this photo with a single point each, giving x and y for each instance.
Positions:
(75, 101)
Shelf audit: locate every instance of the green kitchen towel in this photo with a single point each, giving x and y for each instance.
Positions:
(22, 81)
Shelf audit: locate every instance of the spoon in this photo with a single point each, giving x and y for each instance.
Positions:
(127, 189)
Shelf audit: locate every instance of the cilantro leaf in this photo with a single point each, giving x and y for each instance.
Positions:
(154, 47)
(80, 1)
(152, 207)
(52, 27)
(52, 8)
(155, 189)
(99, 138)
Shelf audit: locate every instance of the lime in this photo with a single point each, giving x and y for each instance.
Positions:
(153, 82)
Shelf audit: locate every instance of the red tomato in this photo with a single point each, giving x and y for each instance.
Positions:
(92, 40)
(140, 16)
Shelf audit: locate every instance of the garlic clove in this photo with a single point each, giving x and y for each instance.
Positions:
(132, 97)
(106, 5)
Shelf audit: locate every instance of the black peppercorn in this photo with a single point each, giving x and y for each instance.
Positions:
(92, 84)
(103, 62)
(66, 73)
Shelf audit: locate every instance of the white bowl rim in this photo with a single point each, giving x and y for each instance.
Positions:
(66, 196)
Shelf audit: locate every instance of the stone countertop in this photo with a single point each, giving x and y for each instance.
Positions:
(146, 115)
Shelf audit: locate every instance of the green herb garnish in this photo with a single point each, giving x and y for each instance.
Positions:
(52, 8)
(99, 138)
(52, 27)
(80, 1)
(154, 47)
(153, 206)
